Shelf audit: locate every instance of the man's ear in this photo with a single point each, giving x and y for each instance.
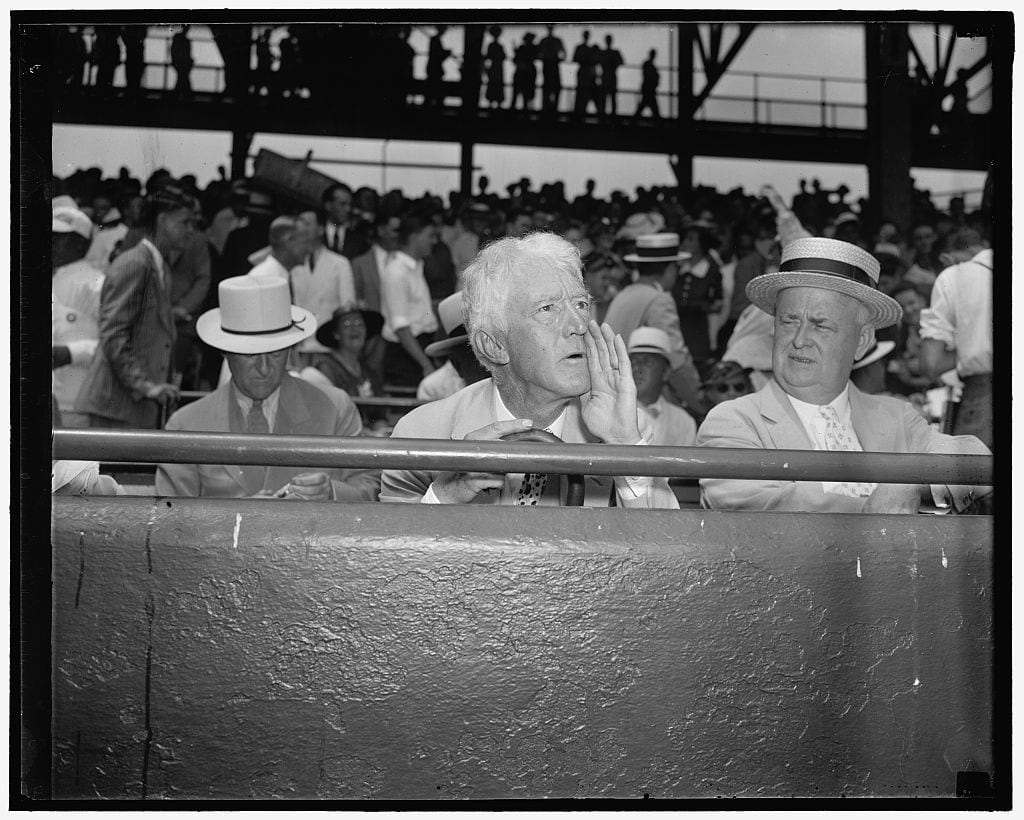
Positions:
(490, 347)
(867, 338)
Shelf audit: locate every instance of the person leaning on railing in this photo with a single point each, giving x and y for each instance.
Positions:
(827, 306)
(527, 315)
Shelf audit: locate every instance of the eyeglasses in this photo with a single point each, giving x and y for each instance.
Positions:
(728, 387)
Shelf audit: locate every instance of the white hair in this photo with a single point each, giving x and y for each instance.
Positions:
(487, 280)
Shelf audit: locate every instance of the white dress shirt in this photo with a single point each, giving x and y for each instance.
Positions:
(405, 297)
(960, 314)
(322, 290)
(269, 406)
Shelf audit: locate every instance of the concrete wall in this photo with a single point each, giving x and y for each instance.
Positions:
(207, 649)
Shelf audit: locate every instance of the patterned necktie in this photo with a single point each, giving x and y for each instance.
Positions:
(532, 489)
(839, 437)
(255, 421)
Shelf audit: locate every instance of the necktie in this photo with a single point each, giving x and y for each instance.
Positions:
(532, 489)
(839, 437)
(256, 421)
(336, 243)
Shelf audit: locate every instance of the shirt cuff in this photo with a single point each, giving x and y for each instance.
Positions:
(635, 486)
(429, 497)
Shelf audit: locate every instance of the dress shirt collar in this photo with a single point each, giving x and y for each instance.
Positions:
(269, 404)
(810, 418)
(504, 414)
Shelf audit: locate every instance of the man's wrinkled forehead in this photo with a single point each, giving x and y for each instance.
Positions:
(821, 300)
(538, 277)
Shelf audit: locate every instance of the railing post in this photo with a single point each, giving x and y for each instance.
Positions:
(757, 101)
(824, 110)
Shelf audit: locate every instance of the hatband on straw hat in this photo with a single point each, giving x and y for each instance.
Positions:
(656, 247)
(449, 310)
(255, 316)
(832, 265)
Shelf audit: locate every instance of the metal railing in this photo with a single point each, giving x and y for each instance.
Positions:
(496, 456)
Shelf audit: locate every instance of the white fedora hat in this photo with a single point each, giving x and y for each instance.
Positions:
(657, 247)
(449, 310)
(650, 340)
(830, 264)
(255, 316)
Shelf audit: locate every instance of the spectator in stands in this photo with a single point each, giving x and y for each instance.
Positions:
(494, 69)
(342, 233)
(367, 267)
(649, 87)
(409, 319)
(190, 283)
(868, 373)
(436, 55)
(827, 307)
(609, 59)
(890, 263)
(109, 240)
(527, 314)
(181, 60)
(518, 222)
(846, 228)
(698, 290)
(585, 57)
(438, 267)
(255, 326)
(74, 310)
(763, 259)
(322, 282)
(263, 76)
(81, 478)
(474, 221)
(524, 79)
(105, 55)
(648, 303)
(131, 373)
(134, 39)
(726, 380)
(956, 333)
(461, 368)
(904, 365)
(551, 51)
(650, 356)
(344, 337)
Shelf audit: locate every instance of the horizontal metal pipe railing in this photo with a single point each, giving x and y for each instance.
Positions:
(394, 402)
(503, 457)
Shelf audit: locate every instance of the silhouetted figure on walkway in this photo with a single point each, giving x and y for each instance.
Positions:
(551, 51)
(524, 81)
(405, 54)
(181, 60)
(609, 59)
(263, 79)
(436, 55)
(649, 87)
(134, 39)
(585, 57)
(288, 66)
(71, 54)
(106, 55)
(494, 69)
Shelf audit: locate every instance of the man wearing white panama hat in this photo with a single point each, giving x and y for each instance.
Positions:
(255, 327)
(827, 306)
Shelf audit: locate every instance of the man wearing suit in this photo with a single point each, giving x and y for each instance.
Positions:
(367, 267)
(827, 306)
(256, 327)
(527, 315)
(342, 235)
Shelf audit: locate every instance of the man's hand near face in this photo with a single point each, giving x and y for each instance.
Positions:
(609, 408)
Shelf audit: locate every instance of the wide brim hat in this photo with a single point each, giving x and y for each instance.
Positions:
(880, 350)
(656, 247)
(832, 265)
(255, 316)
(449, 311)
(639, 224)
(650, 340)
(725, 370)
(372, 319)
(71, 220)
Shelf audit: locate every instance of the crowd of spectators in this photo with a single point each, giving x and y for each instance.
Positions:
(374, 268)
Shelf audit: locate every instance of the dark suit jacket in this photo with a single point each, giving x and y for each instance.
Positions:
(366, 277)
(136, 339)
(302, 410)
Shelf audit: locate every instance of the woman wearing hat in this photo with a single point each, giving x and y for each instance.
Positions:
(345, 364)
(698, 290)
(131, 371)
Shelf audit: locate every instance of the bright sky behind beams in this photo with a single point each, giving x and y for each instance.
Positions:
(811, 49)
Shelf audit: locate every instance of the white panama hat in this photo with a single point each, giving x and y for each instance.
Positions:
(255, 316)
(449, 310)
(650, 340)
(830, 264)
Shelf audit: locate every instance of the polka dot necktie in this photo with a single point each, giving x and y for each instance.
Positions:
(839, 437)
(256, 421)
(532, 489)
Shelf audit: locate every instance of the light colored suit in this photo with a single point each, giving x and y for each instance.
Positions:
(646, 305)
(474, 407)
(302, 410)
(136, 339)
(767, 420)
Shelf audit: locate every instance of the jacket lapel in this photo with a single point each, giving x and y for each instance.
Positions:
(782, 422)
(876, 429)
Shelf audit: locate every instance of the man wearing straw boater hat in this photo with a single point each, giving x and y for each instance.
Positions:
(255, 327)
(648, 302)
(827, 306)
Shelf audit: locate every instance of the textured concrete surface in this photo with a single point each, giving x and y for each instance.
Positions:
(207, 649)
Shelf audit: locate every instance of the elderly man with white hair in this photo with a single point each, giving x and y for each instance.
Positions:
(528, 317)
(827, 306)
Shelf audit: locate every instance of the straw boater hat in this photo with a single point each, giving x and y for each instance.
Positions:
(255, 316)
(450, 312)
(830, 264)
(656, 247)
